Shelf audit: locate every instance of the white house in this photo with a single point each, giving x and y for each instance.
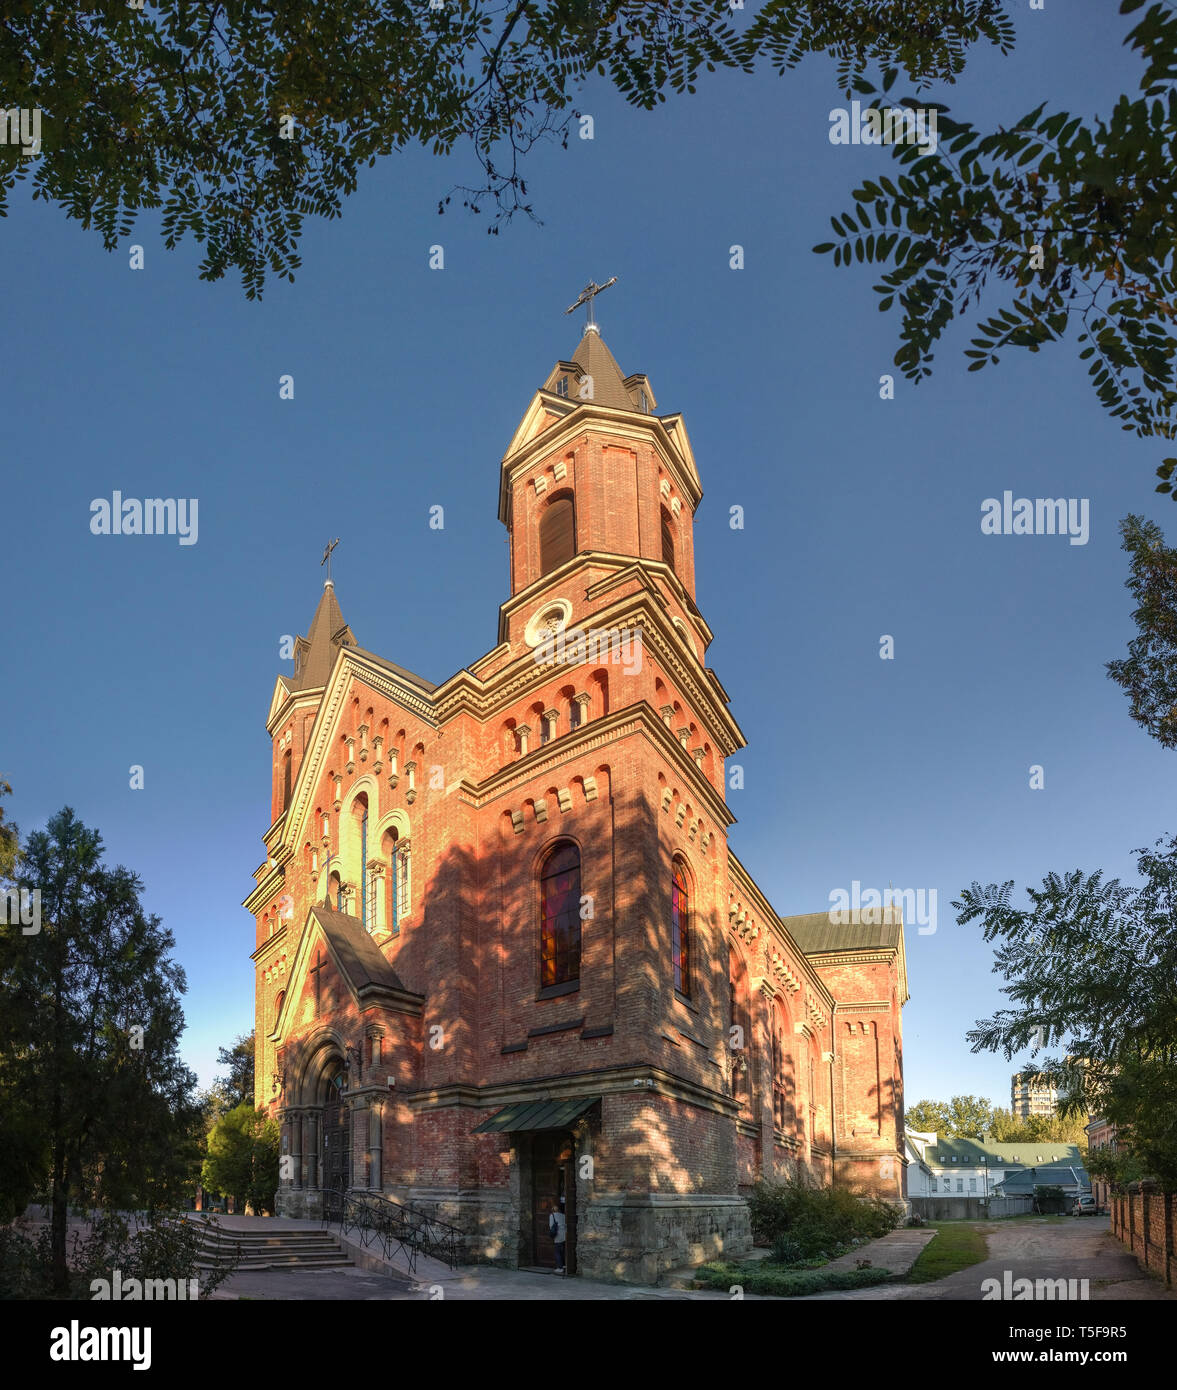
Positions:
(941, 1167)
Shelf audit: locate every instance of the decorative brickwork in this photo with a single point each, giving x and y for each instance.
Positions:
(411, 1037)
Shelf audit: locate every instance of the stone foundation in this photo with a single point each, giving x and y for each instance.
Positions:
(632, 1238)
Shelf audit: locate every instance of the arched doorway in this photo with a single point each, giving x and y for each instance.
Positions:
(336, 1143)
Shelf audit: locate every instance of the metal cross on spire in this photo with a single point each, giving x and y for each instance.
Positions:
(326, 560)
(590, 291)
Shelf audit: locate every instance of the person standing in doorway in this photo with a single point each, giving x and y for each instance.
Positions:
(558, 1230)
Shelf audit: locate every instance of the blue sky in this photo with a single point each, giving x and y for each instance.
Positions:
(863, 516)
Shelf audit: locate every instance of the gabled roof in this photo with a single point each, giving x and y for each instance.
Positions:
(1049, 1175)
(402, 671)
(358, 956)
(815, 933)
(315, 654)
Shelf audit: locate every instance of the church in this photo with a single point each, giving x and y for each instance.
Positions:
(507, 962)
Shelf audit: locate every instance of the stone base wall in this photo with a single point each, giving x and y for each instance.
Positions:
(635, 1238)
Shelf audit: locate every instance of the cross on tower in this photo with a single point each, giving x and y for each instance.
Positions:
(326, 560)
(587, 295)
(316, 975)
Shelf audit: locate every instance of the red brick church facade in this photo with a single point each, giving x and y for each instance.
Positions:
(505, 956)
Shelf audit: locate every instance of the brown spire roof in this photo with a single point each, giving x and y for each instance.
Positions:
(610, 387)
(594, 359)
(314, 655)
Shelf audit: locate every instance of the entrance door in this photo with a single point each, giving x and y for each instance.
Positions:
(552, 1178)
(336, 1142)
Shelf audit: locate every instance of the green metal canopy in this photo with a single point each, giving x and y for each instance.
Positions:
(536, 1114)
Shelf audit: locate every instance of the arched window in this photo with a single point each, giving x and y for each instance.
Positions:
(667, 540)
(680, 937)
(739, 1024)
(778, 1074)
(559, 908)
(287, 767)
(398, 882)
(781, 1099)
(364, 872)
(557, 533)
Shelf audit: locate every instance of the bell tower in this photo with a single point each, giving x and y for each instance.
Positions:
(594, 481)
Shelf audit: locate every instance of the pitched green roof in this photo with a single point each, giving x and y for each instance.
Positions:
(1021, 1155)
(815, 932)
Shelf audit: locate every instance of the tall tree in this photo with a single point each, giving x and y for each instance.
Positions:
(960, 1118)
(1092, 966)
(237, 1086)
(240, 119)
(90, 1022)
(242, 1160)
(969, 1116)
(1066, 225)
(927, 1117)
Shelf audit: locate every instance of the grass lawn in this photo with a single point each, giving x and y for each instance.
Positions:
(956, 1245)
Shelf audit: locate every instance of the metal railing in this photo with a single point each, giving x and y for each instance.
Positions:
(393, 1226)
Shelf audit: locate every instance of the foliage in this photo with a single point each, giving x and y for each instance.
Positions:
(184, 107)
(1007, 1128)
(952, 1248)
(1148, 674)
(9, 838)
(927, 1117)
(1050, 1198)
(91, 1082)
(1118, 1167)
(154, 1245)
(1091, 967)
(961, 1118)
(1076, 218)
(802, 1222)
(242, 1159)
(786, 1283)
(237, 1087)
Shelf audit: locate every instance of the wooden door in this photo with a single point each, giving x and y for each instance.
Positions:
(552, 1178)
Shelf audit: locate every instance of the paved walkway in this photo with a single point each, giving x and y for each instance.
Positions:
(1077, 1248)
(896, 1251)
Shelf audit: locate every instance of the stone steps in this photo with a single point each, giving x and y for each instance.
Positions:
(273, 1250)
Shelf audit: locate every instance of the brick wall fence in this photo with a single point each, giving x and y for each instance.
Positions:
(1144, 1218)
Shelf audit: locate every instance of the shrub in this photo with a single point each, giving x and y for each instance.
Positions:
(147, 1246)
(787, 1283)
(801, 1222)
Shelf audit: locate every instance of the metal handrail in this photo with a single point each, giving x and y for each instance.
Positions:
(396, 1225)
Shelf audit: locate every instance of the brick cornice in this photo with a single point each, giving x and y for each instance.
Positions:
(645, 609)
(597, 733)
(612, 1080)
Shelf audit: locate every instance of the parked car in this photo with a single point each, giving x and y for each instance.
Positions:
(1084, 1205)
